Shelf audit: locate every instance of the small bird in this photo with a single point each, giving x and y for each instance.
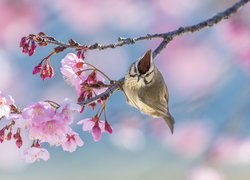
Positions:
(145, 89)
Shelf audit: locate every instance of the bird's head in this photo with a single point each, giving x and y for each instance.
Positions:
(141, 72)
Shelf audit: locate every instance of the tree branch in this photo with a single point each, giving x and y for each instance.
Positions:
(167, 37)
(115, 86)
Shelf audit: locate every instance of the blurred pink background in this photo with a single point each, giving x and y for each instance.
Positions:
(208, 76)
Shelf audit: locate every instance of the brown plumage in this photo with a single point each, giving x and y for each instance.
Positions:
(146, 90)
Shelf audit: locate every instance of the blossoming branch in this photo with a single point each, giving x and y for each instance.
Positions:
(51, 122)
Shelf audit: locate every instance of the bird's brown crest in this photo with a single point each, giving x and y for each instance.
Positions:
(144, 63)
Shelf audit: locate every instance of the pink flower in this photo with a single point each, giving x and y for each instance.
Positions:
(73, 71)
(33, 154)
(71, 142)
(95, 126)
(38, 113)
(49, 124)
(51, 131)
(19, 122)
(71, 66)
(66, 110)
(5, 102)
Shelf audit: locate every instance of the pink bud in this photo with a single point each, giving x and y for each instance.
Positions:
(28, 45)
(32, 48)
(2, 132)
(23, 41)
(108, 128)
(47, 71)
(41, 34)
(37, 69)
(51, 72)
(91, 78)
(93, 105)
(82, 109)
(79, 53)
(16, 135)
(96, 132)
(19, 143)
(9, 135)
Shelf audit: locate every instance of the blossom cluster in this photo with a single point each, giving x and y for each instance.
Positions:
(49, 122)
(74, 70)
(46, 122)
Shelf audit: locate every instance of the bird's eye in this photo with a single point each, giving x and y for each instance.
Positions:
(148, 78)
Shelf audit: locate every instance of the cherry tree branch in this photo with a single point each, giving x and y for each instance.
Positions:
(115, 86)
(167, 38)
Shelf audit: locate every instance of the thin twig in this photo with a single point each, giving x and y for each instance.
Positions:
(167, 37)
(197, 27)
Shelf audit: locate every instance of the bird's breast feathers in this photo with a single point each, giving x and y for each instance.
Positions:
(135, 101)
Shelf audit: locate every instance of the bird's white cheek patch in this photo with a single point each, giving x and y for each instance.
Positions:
(149, 78)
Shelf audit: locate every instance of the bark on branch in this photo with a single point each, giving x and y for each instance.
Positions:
(167, 37)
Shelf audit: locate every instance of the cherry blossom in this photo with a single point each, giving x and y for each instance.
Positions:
(32, 154)
(71, 142)
(5, 104)
(71, 66)
(38, 112)
(74, 71)
(67, 109)
(95, 126)
(47, 124)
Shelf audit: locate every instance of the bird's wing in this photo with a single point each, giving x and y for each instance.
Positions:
(160, 109)
(159, 104)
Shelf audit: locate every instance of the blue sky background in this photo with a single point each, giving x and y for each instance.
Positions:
(207, 74)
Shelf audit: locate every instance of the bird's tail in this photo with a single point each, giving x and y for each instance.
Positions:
(169, 119)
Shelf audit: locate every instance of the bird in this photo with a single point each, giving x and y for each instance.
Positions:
(145, 89)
